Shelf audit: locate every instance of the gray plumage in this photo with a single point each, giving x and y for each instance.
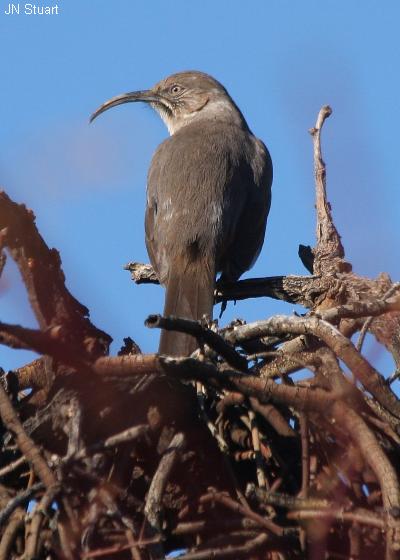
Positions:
(208, 195)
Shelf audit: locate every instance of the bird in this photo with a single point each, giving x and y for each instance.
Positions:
(208, 196)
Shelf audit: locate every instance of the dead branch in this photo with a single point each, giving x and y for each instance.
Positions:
(160, 479)
(44, 280)
(34, 529)
(203, 334)
(341, 346)
(24, 442)
(241, 551)
(12, 466)
(329, 253)
(137, 364)
(153, 506)
(217, 497)
(21, 499)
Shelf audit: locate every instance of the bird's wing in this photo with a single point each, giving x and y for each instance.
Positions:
(253, 182)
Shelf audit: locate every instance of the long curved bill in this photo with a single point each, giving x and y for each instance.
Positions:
(147, 96)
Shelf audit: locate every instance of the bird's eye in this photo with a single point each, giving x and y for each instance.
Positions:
(175, 89)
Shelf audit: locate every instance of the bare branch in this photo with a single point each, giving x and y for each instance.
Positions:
(329, 253)
(214, 340)
(12, 466)
(341, 346)
(142, 273)
(24, 442)
(20, 499)
(242, 551)
(41, 271)
(153, 507)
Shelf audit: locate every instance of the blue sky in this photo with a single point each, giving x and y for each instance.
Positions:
(280, 60)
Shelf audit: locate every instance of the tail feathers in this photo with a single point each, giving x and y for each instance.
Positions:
(189, 294)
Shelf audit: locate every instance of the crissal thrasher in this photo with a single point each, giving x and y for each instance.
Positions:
(208, 195)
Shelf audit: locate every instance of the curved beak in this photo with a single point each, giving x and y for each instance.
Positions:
(147, 96)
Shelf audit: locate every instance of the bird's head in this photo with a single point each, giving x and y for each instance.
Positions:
(182, 99)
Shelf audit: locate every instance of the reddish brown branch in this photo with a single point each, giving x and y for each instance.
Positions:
(272, 415)
(41, 271)
(227, 501)
(54, 342)
(240, 551)
(35, 375)
(372, 452)
(137, 364)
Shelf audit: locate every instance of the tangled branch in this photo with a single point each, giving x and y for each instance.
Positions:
(124, 457)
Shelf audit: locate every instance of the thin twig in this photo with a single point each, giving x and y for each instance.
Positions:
(153, 506)
(213, 430)
(19, 500)
(15, 524)
(127, 435)
(12, 466)
(361, 516)
(367, 324)
(373, 381)
(37, 518)
(24, 442)
(255, 437)
(227, 501)
(242, 551)
(272, 415)
(305, 455)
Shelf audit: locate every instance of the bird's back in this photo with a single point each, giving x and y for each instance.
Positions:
(200, 181)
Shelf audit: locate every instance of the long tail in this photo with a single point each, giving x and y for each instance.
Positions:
(189, 294)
